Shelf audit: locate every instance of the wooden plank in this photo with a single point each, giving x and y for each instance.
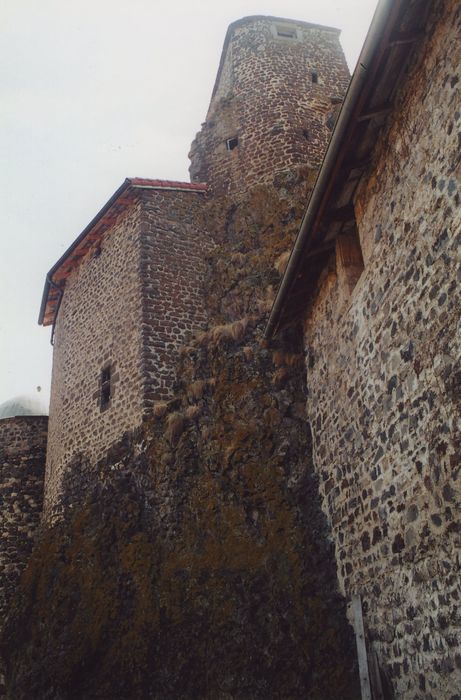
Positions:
(361, 647)
(315, 252)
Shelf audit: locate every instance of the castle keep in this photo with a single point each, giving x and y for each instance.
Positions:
(255, 406)
(278, 83)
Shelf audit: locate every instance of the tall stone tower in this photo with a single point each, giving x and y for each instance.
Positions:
(277, 89)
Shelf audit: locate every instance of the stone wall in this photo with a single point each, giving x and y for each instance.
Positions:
(384, 383)
(276, 94)
(22, 470)
(174, 249)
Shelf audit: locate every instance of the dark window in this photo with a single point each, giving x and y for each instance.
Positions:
(286, 32)
(232, 143)
(306, 134)
(105, 387)
(314, 76)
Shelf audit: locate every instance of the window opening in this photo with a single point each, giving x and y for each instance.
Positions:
(349, 260)
(105, 386)
(232, 143)
(315, 77)
(286, 32)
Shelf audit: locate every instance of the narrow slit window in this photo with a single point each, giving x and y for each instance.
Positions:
(105, 386)
(315, 77)
(232, 143)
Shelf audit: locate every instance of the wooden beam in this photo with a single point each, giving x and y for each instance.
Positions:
(359, 164)
(361, 648)
(320, 251)
(346, 213)
(405, 38)
(377, 111)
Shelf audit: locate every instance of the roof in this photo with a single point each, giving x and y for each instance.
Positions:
(104, 219)
(396, 28)
(22, 406)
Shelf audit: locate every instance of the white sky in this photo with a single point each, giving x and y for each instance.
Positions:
(93, 92)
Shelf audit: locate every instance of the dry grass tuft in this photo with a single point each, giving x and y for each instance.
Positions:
(248, 352)
(185, 350)
(280, 377)
(238, 258)
(287, 359)
(201, 338)
(192, 412)
(265, 299)
(174, 426)
(196, 389)
(281, 262)
(219, 334)
(159, 409)
(231, 331)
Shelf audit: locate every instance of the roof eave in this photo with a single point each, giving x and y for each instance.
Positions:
(382, 26)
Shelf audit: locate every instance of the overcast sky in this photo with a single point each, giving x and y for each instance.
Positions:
(93, 92)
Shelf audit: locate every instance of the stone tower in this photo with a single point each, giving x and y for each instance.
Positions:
(121, 300)
(277, 89)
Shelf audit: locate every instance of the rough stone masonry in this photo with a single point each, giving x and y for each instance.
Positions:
(384, 377)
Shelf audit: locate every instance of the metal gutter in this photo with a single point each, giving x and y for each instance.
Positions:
(374, 37)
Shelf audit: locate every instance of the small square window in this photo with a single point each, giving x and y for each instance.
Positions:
(286, 32)
(232, 143)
